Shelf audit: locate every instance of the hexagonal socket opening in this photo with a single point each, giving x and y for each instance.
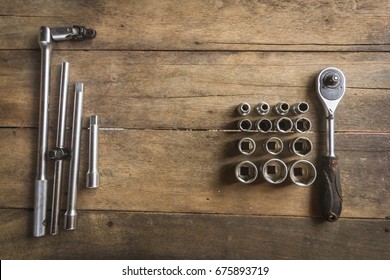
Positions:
(273, 145)
(264, 125)
(301, 146)
(244, 125)
(303, 173)
(302, 125)
(247, 146)
(284, 125)
(274, 171)
(246, 172)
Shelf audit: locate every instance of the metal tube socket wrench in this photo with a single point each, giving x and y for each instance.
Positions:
(330, 89)
(45, 38)
(60, 152)
(71, 212)
(93, 171)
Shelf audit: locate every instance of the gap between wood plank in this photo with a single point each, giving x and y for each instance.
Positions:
(204, 214)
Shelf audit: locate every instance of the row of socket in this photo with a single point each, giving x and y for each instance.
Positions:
(282, 108)
(275, 171)
(283, 125)
(300, 146)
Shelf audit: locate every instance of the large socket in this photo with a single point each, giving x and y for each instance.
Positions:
(302, 173)
(246, 172)
(274, 171)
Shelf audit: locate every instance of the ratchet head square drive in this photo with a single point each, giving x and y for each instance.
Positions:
(331, 88)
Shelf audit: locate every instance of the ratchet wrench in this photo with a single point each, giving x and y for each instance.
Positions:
(331, 89)
(45, 38)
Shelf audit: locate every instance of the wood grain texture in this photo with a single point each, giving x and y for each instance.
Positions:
(205, 25)
(165, 78)
(193, 171)
(195, 90)
(113, 235)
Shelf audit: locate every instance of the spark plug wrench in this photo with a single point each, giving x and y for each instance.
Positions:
(93, 170)
(330, 89)
(45, 38)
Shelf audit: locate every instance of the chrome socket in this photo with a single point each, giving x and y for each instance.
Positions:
(283, 125)
(247, 146)
(302, 125)
(302, 173)
(274, 171)
(300, 108)
(244, 109)
(246, 172)
(273, 146)
(282, 108)
(262, 108)
(244, 125)
(301, 146)
(264, 125)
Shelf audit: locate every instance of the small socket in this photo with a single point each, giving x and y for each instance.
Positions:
(302, 125)
(246, 172)
(244, 109)
(301, 146)
(264, 125)
(274, 171)
(302, 173)
(284, 125)
(273, 145)
(247, 146)
(262, 108)
(244, 125)
(300, 108)
(282, 108)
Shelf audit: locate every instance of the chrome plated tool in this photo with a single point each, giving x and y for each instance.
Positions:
(93, 169)
(71, 211)
(60, 152)
(45, 38)
(330, 88)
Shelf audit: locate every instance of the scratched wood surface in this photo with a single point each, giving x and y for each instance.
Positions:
(165, 78)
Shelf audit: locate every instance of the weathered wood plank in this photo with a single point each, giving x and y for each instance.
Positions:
(204, 25)
(195, 90)
(126, 235)
(193, 171)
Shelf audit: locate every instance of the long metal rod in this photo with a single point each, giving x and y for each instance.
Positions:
(93, 169)
(40, 191)
(71, 212)
(60, 145)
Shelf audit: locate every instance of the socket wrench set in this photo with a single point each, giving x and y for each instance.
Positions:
(330, 86)
(275, 171)
(45, 39)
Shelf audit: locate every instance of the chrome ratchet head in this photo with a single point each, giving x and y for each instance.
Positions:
(330, 85)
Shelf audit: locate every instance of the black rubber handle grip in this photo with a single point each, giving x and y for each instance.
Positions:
(331, 199)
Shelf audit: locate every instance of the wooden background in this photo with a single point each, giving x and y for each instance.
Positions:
(165, 78)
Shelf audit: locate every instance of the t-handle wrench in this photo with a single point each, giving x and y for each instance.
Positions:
(46, 35)
(330, 89)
